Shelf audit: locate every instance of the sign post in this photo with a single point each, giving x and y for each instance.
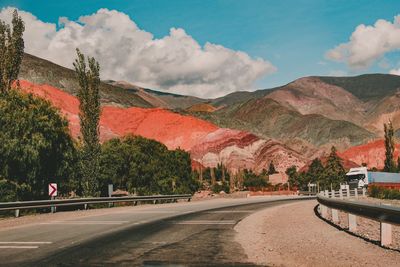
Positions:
(110, 191)
(52, 194)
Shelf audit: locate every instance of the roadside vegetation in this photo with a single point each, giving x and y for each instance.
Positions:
(145, 166)
(36, 147)
(383, 193)
(326, 176)
(220, 179)
(390, 166)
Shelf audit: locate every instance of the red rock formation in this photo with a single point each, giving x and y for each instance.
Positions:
(243, 150)
(373, 154)
(208, 144)
(170, 128)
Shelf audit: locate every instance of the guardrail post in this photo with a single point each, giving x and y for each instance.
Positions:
(189, 199)
(135, 203)
(85, 206)
(327, 193)
(324, 211)
(335, 216)
(352, 222)
(364, 191)
(386, 234)
(356, 193)
(333, 194)
(348, 190)
(341, 193)
(16, 213)
(154, 201)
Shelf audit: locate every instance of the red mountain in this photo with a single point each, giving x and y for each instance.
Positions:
(373, 154)
(208, 144)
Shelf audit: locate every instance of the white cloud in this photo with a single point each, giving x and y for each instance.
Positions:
(368, 44)
(176, 62)
(395, 72)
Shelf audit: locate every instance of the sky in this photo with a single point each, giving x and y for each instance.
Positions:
(210, 48)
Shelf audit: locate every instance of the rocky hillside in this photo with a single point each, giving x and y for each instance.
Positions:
(268, 118)
(207, 143)
(312, 96)
(372, 154)
(162, 99)
(40, 71)
(312, 113)
(307, 115)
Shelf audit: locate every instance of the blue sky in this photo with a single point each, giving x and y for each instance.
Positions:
(293, 35)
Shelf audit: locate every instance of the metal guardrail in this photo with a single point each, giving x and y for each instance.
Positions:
(380, 213)
(386, 215)
(307, 193)
(4, 206)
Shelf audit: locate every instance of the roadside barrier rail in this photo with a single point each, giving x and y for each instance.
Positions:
(307, 193)
(386, 215)
(23, 205)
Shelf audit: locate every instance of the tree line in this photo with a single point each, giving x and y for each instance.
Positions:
(325, 176)
(219, 179)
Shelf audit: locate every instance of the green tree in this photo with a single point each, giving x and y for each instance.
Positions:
(293, 177)
(334, 172)
(89, 116)
(315, 171)
(221, 173)
(145, 166)
(390, 165)
(11, 51)
(251, 179)
(35, 146)
(271, 168)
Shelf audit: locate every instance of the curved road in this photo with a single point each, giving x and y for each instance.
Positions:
(181, 234)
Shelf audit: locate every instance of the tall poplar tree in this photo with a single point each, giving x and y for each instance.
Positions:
(390, 165)
(334, 172)
(11, 51)
(89, 114)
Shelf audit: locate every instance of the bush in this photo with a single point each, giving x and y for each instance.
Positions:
(217, 188)
(383, 193)
(8, 191)
(35, 146)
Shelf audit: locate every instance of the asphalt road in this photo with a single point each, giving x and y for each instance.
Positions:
(181, 234)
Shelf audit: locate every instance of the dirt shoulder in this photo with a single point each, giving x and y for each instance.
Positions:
(292, 235)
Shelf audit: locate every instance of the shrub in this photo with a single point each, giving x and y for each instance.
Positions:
(383, 193)
(217, 188)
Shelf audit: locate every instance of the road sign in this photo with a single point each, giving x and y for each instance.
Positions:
(53, 189)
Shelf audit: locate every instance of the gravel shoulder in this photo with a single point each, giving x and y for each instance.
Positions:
(292, 235)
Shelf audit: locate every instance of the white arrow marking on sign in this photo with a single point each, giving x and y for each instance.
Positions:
(52, 190)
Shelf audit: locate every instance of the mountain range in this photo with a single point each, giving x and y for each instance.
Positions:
(288, 125)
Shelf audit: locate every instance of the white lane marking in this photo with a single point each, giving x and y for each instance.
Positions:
(24, 243)
(86, 222)
(230, 211)
(140, 222)
(153, 212)
(205, 222)
(18, 247)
